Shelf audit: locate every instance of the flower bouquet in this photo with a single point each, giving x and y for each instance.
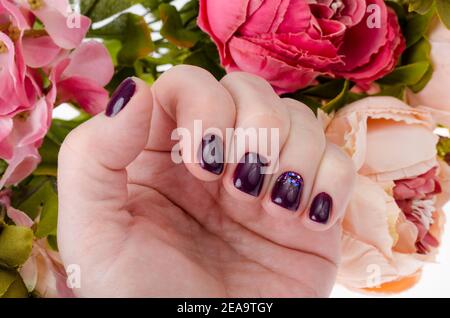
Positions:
(375, 72)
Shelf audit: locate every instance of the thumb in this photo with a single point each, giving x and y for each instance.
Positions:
(92, 177)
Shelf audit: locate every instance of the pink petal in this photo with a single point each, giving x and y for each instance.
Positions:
(353, 12)
(265, 18)
(91, 60)
(255, 59)
(384, 60)
(221, 30)
(18, 18)
(297, 17)
(39, 52)
(55, 77)
(402, 192)
(57, 25)
(29, 273)
(35, 126)
(19, 218)
(93, 99)
(23, 163)
(62, 6)
(369, 40)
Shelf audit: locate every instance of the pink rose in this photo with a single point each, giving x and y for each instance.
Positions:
(394, 220)
(416, 197)
(291, 42)
(436, 95)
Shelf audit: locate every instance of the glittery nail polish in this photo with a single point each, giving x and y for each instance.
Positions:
(121, 97)
(287, 191)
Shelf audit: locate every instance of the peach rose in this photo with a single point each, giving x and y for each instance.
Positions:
(436, 94)
(393, 223)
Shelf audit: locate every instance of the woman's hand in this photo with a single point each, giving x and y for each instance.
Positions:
(140, 225)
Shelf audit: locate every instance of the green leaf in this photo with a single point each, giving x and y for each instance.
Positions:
(53, 242)
(113, 46)
(134, 33)
(339, 101)
(424, 81)
(327, 90)
(6, 279)
(417, 26)
(312, 103)
(419, 52)
(98, 10)
(173, 29)
(397, 91)
(12, 285)
(420, 6)
(443, 8)
(408, 74)
(137, 43)
(15, 245)
(443, 147)
(143, 72)
(39, 197)
(3, 166)
(202, 60)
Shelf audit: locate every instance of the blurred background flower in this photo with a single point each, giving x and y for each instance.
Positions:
(395, 218)
(38, 70)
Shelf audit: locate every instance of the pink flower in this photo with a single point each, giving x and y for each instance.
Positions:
(291, 42)
(43, 273)
(394, 219)
(26, 56)
(66, 28)
(416, 199)
(87, 69)
(20, 138)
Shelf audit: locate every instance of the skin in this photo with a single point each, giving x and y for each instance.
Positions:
(140, 225)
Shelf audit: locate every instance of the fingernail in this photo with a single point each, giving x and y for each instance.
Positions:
(249, 177)
(321, 208)
(288, 190)
(121, 97)
(211, 154)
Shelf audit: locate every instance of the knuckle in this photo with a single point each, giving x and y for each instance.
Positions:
(296, 106)
(249, 80)
(343, 165)
(188, 73)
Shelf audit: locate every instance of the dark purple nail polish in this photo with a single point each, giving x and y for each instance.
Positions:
(249, 177)
(288, 190)
(121, 97)
(211, 154)
(321, 208)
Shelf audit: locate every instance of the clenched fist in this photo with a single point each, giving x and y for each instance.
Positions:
(140, 224)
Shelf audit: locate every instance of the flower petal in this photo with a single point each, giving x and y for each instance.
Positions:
(90, 60)
(39, 52)
(57, 24)
(93, 99)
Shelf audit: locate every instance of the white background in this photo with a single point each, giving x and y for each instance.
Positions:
(435, 280)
